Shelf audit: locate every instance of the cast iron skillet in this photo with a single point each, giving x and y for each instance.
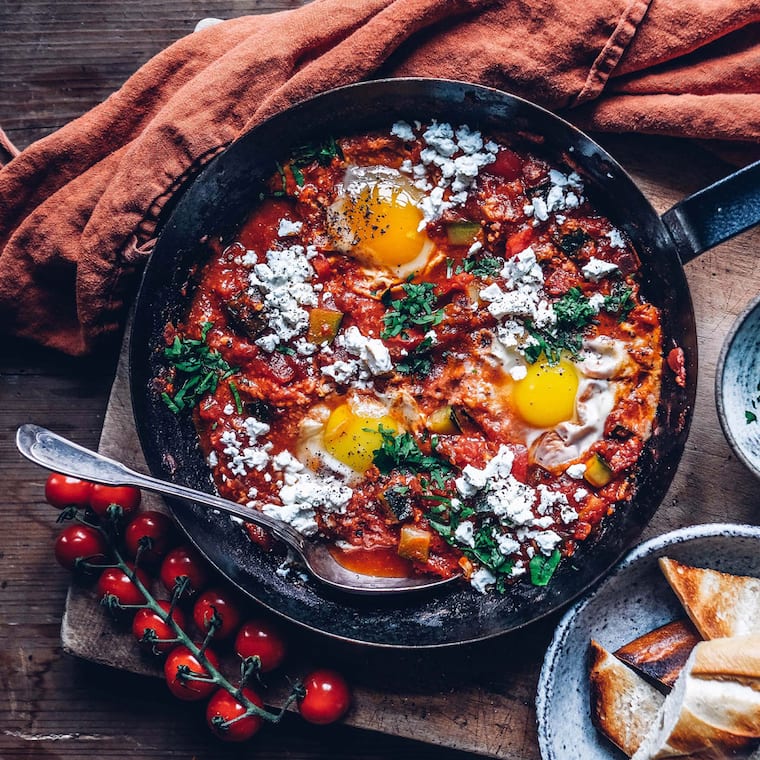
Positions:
(219, 199)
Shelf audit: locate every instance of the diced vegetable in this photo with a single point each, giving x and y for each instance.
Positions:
(462, 233)
(399, 501)
(467, 567)
(323, 325)
(443, 421)
(414, 543)
(597, 473)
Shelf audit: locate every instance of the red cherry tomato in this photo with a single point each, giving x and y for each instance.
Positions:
(224, 604)
(182, 661)
(148, 620)
(63, 491)
(152, 525)
(80, 542)
(101, 497)
(507, 165)
(259, 637)
(223, 708)
(327, 697)
(184, 561)
(117, 583)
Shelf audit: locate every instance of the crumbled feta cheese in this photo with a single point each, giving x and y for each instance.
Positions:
(373, 357)
(288, 228)
(228, 409)
(567, 514)
(403, 131)
(459, 155)
(506, 544)
(465, 533)
(580, 494)
(249, 258)
(547, 541)
(596, 269)
(341, 371)
(549, 498)
(524, 294)
(616, 238)
(212, 459)
(285, 281)
(576, 471)
(482, 579)
(596, 301)
(474, 248)
(518, 372)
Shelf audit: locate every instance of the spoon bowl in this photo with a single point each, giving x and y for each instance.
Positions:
(53, 451)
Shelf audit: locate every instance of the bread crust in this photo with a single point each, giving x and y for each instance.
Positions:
(714, 708)
(719, 604)
(623, 705)
(661, 654)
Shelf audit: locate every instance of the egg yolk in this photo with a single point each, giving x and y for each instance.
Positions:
(353, 439)
(383, 221)
(546, 395)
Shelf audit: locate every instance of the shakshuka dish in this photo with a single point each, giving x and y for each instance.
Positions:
(426, 347)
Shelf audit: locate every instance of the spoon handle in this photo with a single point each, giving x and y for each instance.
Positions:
(57, 453)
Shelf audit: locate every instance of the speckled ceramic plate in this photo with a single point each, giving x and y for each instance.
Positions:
(633, 599)
(737, 386)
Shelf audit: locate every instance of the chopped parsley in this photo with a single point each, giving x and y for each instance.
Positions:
(619, 301)
(572, 241)
(542, 568)
(749, 415)
(401, 452)
(322, 152)
(445, 520)
(481, 266)
(418, 361)
(200, 369)
(416, 309)
(574, 315)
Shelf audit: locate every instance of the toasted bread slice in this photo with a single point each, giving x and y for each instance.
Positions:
(719, 604)
(623, 704)
(661, 654)
(713, 710)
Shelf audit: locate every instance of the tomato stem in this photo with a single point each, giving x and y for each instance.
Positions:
(212, 674)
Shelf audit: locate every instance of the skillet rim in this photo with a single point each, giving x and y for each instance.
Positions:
(676, 417)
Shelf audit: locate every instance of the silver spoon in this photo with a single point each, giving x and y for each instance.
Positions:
(57, 453)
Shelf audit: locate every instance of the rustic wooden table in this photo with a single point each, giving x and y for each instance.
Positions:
(59, 59)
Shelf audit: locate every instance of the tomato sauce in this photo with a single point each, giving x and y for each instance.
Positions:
(362, 338)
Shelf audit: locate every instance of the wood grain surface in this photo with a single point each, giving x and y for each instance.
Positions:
(60, 58)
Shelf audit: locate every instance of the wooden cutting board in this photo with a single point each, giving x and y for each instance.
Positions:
(480, 698)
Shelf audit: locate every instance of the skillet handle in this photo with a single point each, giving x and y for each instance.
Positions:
(720, 211)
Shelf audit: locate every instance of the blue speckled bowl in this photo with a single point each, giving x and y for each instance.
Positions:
(737, 386)
(633, 599)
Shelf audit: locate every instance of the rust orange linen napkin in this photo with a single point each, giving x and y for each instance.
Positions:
(79, 208)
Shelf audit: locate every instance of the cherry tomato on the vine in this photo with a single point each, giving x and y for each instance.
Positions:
(101, 497)
(116, 582)
(327, 698)
(63, 491)
(223, 709)
(181, 664)
(152, 525)
(184, 561)
(224, 604)
(147, 620)
(80, 542)
(262, 638)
